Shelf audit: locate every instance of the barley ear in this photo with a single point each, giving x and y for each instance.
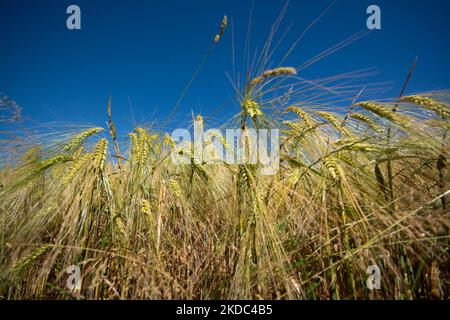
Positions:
(223, 26)
(273, 73)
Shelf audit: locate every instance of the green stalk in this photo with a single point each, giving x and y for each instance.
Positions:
(389, 133)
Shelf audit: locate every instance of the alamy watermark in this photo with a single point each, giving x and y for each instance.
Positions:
(374, 279)
(374, 20)
(238, 146)
(73, 282)
(73, 21)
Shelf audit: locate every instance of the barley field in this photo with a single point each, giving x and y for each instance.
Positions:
(366, 184)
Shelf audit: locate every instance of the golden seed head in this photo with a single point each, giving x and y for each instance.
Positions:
(223, 26)
(295, 176)
(145, 207)
(332, 120)
(293, 125)
(333, 168)
(428, 103)
(78, 163)
(168, 141)
(377, 109)
(79, 138)
(32, 154)
(141, 145)
(362, 118)
(100, 153)
(252, 108)
(273, 73)
(199, 119)
(120, 226)
(175, 188)
(303, 115)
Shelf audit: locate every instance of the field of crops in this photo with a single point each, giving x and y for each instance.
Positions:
(358, 186)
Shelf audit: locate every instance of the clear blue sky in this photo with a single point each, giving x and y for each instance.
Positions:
(146, 51)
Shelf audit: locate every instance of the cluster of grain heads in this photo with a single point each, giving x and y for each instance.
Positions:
(428, 103)
(151, 228)
(281, 71)
(141, 144)
(443, 111)
(323, 216)
(144, 135)
(77, 140)
(78, 163)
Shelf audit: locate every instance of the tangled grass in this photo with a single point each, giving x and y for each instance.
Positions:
(362, 186)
